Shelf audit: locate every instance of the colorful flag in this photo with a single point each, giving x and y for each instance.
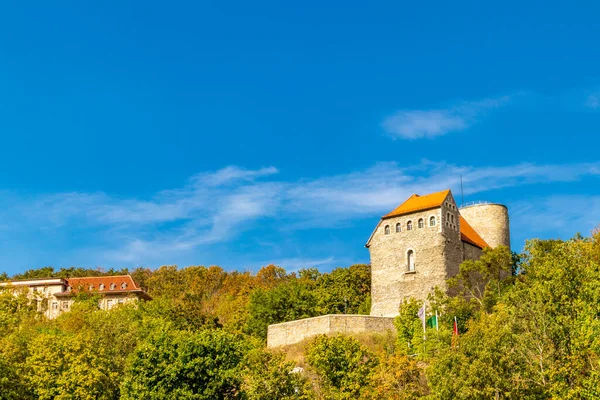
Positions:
(421, 315)
(455, 334)
(432, 322)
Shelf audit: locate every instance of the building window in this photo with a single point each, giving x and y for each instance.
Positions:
(432, 221)
(69, 288)
(420, 224)
(91, 287)
(101, 287)
(452, 217)
(448, 216)
(409, 226)
(398, 227)
(110, 304)
(64, 305)
(410, 261)
(123, 285)
(386, 230)
(113, 286)
(55, 305)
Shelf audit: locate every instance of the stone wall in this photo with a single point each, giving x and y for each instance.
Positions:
(490, 221)
(471, 252)
(292, 332)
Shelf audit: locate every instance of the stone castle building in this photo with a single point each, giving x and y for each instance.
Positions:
(413, 249)
(56, 295)
(422, 242)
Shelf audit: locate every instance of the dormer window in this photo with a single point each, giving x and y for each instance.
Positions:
(409, 226)
(398, 227)
(123, 285)
(420, 224)
(386, 230)
(113, 286)
(101, 287)
(69, 288)
(432, 221)
(91, 287)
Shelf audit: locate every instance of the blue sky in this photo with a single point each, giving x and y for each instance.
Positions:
(248, 133)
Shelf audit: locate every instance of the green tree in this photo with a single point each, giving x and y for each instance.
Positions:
(343, 365)
(291, 300)
(267, 376)
(397, 377)
(186, 365)
(345, 290)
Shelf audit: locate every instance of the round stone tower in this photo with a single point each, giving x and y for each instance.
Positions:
(490, 221)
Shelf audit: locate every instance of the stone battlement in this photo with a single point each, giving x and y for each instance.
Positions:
(287, 333)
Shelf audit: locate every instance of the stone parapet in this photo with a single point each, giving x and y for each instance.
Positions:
(292, 332)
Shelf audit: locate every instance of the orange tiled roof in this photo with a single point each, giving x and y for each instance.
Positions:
(85, 283)
(469, 235)
(419, 203)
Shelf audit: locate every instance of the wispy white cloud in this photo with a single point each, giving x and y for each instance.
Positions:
(417, 124)
(593, 100)
(216, 207)
(558, 215)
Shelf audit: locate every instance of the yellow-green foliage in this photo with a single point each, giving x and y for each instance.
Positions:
(529, 329)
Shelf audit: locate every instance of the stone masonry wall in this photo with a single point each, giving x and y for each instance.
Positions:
(453, 249)
(391, 281)
(292, 332)
(490, 221)
(471, 252)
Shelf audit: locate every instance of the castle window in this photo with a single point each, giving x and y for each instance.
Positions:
(432, 221)
(448, 216)
(386, 230)
(452, 216)
(409, 226)
(410, 260)
(420, 223)
(398, 227)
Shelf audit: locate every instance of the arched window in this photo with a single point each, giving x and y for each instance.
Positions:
(410, 260)
(447, 216)
(123, 285)
(409, 226)
(101, 286)
(113, 286)
(420, 223)
(432, 221)
(452, 216)
(398, 227)
(387, 230)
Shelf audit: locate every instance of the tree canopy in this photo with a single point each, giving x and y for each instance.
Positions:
(528, 328)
